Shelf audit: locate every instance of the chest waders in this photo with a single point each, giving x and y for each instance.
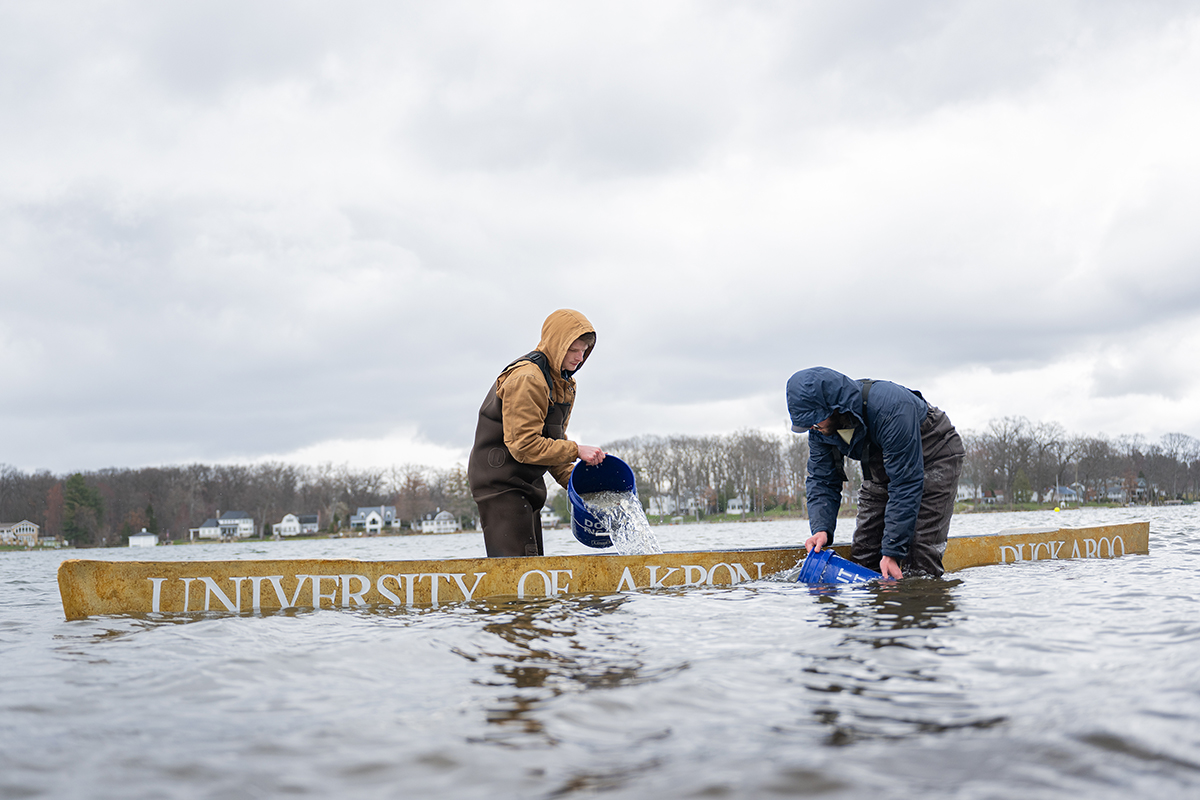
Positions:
(942, 457)
(509, 493)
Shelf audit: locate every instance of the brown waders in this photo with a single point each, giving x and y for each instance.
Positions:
(510, 494)
(512, 526)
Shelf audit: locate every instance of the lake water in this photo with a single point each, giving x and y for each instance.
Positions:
(1067, 679)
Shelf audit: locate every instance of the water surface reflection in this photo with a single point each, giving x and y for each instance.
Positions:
(887, 676)
(1045, 680)
(546, 648)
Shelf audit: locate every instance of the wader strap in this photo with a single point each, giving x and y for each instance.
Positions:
(866, 459)
(543, 363)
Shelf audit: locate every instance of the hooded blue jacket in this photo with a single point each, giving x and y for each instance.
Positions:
(893, 425)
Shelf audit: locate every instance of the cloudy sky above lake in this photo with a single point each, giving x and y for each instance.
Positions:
(232, 231)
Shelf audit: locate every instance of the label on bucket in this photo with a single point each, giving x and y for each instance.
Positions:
(828, 567)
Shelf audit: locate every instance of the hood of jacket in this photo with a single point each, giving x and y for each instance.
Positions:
(814, 394)
(559, 332)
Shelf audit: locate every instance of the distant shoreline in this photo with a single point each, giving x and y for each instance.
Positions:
(663, 521)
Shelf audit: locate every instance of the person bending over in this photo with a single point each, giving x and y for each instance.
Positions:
(911, 458)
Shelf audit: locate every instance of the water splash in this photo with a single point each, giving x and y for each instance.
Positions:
(622, 514)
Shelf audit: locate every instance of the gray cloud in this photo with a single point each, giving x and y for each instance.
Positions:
(231, 231)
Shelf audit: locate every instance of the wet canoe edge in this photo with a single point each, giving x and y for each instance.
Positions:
(91, 588)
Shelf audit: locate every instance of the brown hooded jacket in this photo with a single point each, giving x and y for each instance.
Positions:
(521, 434)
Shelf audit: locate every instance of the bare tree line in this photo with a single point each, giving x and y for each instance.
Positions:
(1025, 461)
(1014, 459)
(702, 473)
(172, 500)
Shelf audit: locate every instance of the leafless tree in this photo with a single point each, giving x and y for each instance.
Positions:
(411, 488)
(1007, 443)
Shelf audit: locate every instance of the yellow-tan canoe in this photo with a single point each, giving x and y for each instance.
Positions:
(90, 587)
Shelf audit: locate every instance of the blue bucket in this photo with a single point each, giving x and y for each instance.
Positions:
(828, 567)
(610, 475)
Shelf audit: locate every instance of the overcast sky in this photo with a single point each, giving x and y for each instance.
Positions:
(316, 231)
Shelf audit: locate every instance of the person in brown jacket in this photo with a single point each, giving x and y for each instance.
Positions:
(522, 434)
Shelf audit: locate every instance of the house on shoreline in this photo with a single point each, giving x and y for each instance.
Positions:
(226, 527)
(373, 519)
(442, 522)
(19, 533)
(296, 525)
(143, 539)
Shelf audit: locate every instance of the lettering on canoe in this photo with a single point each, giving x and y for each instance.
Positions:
(239, 593)
(91, 588)
(1101, 547)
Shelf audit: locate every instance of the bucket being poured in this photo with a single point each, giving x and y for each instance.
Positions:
(610, 475)
(828, 567)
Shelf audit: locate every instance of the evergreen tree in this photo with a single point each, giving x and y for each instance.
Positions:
(1022, 489)
(83, 509)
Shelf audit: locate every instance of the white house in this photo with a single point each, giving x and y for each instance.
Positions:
(296, 525)
(288, 526)
(549, 518)
(374, 519)
(443, 522)
(1063, 494)
(236, 525)
(23, 533)
(143, 539)
(230, 525)
(1116, 492)
(736, 505)
(209, 529)
(665, 504)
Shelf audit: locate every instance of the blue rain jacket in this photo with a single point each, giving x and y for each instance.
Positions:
(894, 416)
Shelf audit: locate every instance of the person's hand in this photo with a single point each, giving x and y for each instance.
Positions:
(591, 455)
(889, 568)
(817, 541)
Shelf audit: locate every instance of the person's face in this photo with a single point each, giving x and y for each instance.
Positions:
(574, 356)
(827, 426)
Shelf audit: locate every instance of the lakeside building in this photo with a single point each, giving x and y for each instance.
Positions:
(22, 533)
(373, 519)
(296, 525)
(549, 518)
(442, 522)
(1061, 494)
(209, 529)
(236, 525)
(664, 505)
(143, 539)
(288, 526)
(228, 526)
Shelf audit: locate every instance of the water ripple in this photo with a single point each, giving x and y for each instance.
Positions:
(1046, 680)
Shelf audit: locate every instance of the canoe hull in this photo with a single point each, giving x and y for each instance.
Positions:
(90, 587)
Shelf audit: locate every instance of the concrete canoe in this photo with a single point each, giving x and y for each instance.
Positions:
(93, 587)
